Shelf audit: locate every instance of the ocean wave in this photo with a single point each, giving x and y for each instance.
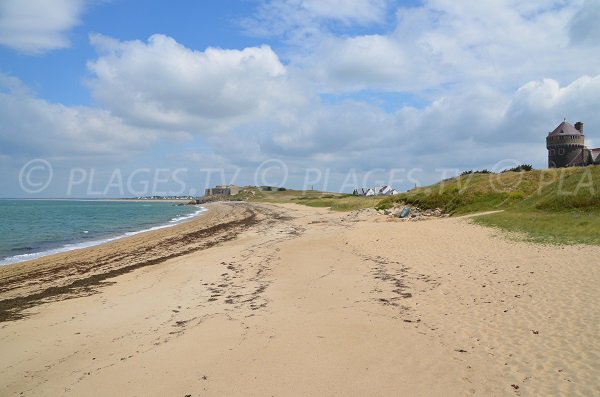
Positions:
(75, 246)
(182, 218)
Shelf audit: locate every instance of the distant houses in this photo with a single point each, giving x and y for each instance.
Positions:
(386, 191)
(361, 191)
(375, 191)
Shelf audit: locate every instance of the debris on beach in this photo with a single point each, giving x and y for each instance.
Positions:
(399, 212)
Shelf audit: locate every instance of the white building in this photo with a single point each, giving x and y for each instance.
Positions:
(376, 191)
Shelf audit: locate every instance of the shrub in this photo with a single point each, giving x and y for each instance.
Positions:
(483, 171)
(520, 168)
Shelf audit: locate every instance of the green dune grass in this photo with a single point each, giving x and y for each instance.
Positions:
(551, 205)
(559, 206)
(312, 198)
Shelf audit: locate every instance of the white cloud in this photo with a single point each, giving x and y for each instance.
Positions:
(583, 27)
(33, 126)
(492, 79)
(475, 128)
(165, 85)
(444, 46)
(362, 12)
(255, 102)
(482, 127)
(37, 26)
(373, 62)
(303, 21)
(539, 106)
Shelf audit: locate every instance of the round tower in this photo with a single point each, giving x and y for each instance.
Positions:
(566, 145)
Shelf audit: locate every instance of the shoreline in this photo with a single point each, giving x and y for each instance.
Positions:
(67, 247)
(180, 201)
(21, 286)
(261, 299)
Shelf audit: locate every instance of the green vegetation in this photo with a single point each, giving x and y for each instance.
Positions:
(340, 202)
(570, 227)
(520, 168)
(484, 171)
(551, 205)
(312, 198)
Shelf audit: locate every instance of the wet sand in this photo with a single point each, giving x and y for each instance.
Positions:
(292, 300)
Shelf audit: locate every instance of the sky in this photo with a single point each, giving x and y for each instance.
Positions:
(122, 98)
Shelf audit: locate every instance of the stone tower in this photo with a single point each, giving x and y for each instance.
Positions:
(566, 146)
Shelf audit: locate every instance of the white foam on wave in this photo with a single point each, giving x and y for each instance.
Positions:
(182, 218)
(87, 244)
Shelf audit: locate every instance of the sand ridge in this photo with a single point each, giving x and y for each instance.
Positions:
(306, 301)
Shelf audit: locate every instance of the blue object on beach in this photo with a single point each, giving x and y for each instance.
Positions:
(405, 212)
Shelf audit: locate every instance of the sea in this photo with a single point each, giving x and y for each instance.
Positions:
(31, 229)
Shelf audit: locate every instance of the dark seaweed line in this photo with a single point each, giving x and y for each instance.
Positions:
(12, 309)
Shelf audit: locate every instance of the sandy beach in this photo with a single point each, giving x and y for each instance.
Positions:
(255, 300)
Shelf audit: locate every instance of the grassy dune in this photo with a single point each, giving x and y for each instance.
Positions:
(565, 227)
(312, 198)
(550, 205)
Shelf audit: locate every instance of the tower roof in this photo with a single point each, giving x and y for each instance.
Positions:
(565, 128)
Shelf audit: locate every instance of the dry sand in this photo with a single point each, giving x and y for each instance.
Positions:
(291, 300)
